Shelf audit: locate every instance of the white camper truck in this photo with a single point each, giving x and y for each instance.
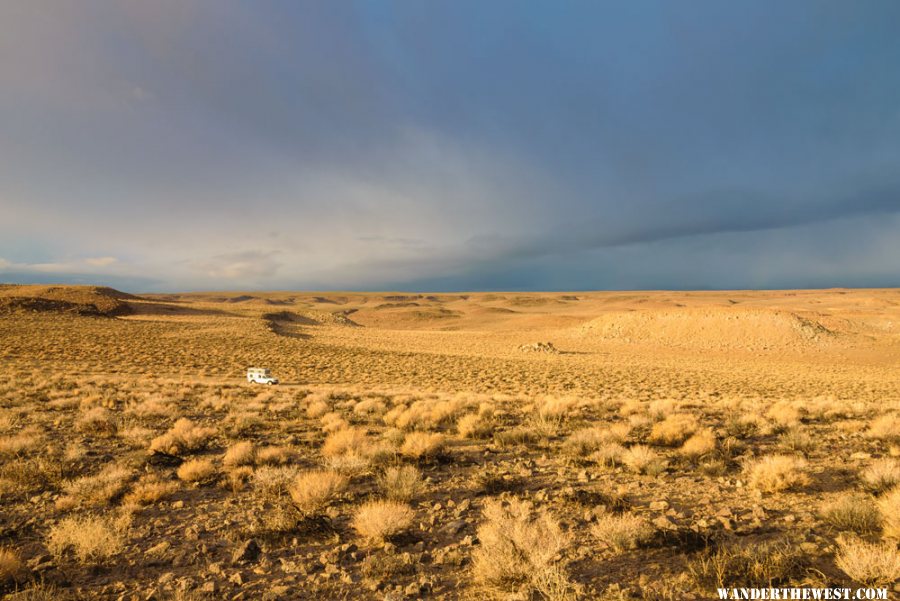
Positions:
(260, 375)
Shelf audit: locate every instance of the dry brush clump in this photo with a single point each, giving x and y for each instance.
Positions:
(238, 454)
(872, 564)
(776, 473)
(94, 491)
(641, 459)
(885, 427)
(422, 445)
(852, 512)
(609, 455)
(150, 489)
(673, 430)
(12, 568)
(584, 441)
(380, 520)
(89, 538)
(622, 532)
(19, 444)
(184, 437)
(520, 550)
(737, 564)
(403, 483)
(701, 443)
(349, 450)
(97, 421)
(881, 475)
(889, 507)
(475, 425)
(274, 455)
(312, 491)
(785, 414)
(796, 440)
(273, 482)
(197, 471)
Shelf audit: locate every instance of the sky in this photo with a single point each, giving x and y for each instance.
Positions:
(184, 145)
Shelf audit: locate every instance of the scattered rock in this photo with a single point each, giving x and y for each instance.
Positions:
(539, 347)
(664, 523)
(248, 551)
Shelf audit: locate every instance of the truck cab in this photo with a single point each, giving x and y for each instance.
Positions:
(260, 375)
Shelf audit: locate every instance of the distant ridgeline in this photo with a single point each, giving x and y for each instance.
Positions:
(79, 300)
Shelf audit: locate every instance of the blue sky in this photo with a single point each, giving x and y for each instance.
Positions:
(185, 145)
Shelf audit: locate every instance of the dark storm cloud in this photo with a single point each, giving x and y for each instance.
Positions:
(454, 144)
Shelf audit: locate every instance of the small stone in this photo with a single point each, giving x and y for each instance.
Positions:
(659, 506)
(166, 578)
(238, 579)
(454, 527)
(248, 551)
(412, 590)
(209, 587)
(159, 549)
(664, 523)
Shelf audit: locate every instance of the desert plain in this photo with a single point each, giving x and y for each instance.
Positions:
(580, 445)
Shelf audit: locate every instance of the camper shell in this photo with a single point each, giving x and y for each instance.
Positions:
(260, 375)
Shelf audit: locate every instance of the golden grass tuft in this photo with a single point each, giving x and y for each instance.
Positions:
(673, 430)
(197, 471)
(764, 564)
(872, 564)
(699, 444)
(852, 512)
(641, 459)
(378, 521)
(184, 437)
(474, 425)
(313, 490)
(885, 427)
(583, 442)
(238, 454)
(776, 473)
(97, 421)
(520, 549)
(149, 490)
(274, 455)
(12, 569)
(402, 483)
(622, 532)
(94, 491)
(274, 481)
(344, 441)
(881, 475)
(889, 506)
(19, 444)
(785, 414)
(422, 445)
(90, 538)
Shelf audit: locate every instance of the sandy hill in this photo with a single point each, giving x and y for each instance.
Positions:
(715, 327)
(82, 300)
